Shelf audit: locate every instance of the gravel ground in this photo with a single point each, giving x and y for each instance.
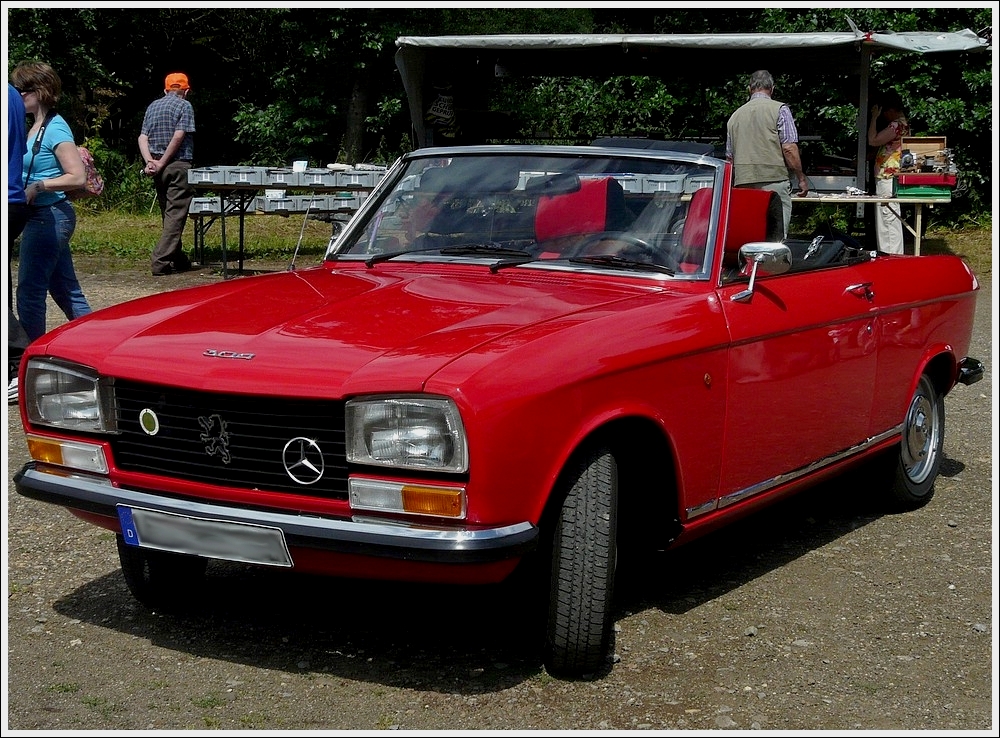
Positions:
(819, 613)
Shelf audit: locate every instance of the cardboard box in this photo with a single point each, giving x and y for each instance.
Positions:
(930, 146)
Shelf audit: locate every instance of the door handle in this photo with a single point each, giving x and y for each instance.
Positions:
(863, 289)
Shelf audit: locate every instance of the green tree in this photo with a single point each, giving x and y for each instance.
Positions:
(275, 84)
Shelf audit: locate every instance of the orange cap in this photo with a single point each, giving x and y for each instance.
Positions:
(176, 81)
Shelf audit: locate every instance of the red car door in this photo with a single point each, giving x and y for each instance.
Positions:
(802, 367)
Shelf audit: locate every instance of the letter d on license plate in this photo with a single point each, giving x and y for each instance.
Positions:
(213, 539)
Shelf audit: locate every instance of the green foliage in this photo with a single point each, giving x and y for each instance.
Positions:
(274, 84)
(262, 130)
(126, 188)
(948, 95)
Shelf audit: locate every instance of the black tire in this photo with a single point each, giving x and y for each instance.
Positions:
(159, 579)
(584, 553)
(916, 462)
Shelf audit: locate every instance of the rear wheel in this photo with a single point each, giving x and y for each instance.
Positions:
(159, 579)
(916, 464)
(583, 569)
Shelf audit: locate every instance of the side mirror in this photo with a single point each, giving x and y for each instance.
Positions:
(769, 258)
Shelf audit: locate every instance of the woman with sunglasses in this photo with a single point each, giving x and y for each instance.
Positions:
(52, 165)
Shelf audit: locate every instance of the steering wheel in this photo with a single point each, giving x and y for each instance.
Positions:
(635, 246)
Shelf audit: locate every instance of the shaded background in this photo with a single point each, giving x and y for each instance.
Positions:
(270, 85)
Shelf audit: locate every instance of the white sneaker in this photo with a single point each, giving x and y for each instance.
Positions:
(12, 392)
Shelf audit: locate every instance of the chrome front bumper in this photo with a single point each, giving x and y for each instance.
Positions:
(365, 537)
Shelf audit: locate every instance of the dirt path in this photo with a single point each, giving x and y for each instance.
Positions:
(820, 613)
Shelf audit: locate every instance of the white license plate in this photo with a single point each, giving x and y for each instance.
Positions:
(214, 539)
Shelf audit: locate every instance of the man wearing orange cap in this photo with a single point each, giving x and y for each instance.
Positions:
(167, 146)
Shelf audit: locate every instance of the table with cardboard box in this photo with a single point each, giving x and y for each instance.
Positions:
(335, 190)
(927, 176)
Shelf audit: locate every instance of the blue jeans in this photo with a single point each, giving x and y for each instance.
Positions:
(46, 267)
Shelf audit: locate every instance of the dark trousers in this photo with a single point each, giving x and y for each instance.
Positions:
(173, 195)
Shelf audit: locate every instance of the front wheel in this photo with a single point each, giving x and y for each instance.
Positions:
(916, 464)
(584, 551)
(159, 579)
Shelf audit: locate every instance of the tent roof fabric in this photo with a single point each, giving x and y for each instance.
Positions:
(553, 53)
(470, 61)
(919, 41)
(610, 54)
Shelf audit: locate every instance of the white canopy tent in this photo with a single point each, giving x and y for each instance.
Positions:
(423, 59)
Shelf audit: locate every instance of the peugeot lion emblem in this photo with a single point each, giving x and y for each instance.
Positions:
(303, 460)
(215, 436)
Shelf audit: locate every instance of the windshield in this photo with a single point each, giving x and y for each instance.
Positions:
(579, 210)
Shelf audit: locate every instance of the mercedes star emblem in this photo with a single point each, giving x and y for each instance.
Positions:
(303, 460)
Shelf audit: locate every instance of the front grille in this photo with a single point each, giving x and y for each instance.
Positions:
(231, 440)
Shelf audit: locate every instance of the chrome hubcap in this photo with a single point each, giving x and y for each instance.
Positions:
(920, 438)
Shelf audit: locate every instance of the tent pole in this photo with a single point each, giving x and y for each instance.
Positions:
(863, 112)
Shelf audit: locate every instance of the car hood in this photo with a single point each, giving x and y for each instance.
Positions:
(321, 331)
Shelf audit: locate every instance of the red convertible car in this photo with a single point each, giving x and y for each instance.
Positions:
(512, 361)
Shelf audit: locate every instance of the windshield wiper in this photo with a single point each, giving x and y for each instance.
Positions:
(509, 256)
(618, 262)
(386, 255)
(484, 249)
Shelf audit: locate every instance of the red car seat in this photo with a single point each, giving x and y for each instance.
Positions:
(754, 215)
(694, 236)
(598, 206)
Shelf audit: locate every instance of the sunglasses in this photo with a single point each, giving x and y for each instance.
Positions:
(26, 91)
